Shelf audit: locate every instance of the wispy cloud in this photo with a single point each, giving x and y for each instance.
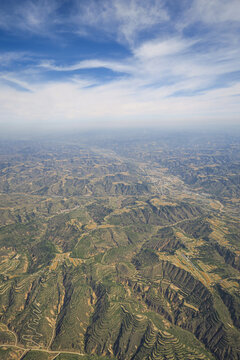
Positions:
(15, 82)
(161, 48)
(29, 16)
(7, 58)
(187, 70)
(125, 20)
(89, 64)
(215, 11)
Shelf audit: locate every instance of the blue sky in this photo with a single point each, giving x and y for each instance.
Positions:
(110, 63)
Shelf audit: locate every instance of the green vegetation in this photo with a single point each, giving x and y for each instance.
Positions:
(144, 258)
(36, 355)
(127, 249)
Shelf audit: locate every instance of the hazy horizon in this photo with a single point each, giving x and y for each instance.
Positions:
(74, 135)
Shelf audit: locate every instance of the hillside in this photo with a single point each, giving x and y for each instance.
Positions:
(120, 247)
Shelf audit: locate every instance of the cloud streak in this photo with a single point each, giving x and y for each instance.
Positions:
(173, 73)
(89, 64)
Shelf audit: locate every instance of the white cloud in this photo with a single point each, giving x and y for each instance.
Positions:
(121, 19)
(31, 16)
(215, 11)
(120, 102)
(161, 48)
(161, 71)
(89, 64)
(14, 81)
(6, 58)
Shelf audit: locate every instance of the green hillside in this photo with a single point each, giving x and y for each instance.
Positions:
(120, 249)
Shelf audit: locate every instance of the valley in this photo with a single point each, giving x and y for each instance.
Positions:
(120, 247)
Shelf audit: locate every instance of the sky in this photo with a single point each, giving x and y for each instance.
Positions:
(73, 64)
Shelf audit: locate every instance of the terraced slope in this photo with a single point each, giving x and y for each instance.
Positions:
(108, 252)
